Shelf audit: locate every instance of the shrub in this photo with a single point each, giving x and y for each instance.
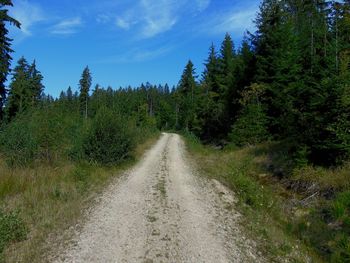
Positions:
(251, 126)
(18, 142)
(109, 139)
(12, 229)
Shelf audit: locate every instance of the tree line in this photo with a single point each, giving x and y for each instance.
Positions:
(289, 81)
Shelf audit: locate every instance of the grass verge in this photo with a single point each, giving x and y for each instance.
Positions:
(266, 205)
(38, 202)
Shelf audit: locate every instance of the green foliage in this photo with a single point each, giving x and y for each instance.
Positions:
(301, 156)
(85, 85)
(327, 228)
(187, 99)
(18, 142)
(251, 126)
(12, 229)
(341, 206)
(109, 140)
(44, 134)
(25, 89)
(5, 49)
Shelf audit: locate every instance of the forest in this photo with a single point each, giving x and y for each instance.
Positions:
(286, 83)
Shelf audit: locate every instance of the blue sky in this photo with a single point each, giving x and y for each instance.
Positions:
(123, 41)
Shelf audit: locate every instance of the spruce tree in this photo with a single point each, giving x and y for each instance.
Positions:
(5, 49)
(20, 94)
(36, 85)
(228, 89)
(85, 85)
(187, 93)
(211, 108)
(69, 94)
(245, 68)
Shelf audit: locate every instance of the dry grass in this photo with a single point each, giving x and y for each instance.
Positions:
(50, 199)
(336, 179)
(260, 201)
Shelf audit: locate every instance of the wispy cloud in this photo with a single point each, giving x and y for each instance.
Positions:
(159, 16)
(28, 14)
(137, 55)
(151, 18)
(236, 22)
(67, 26)
(123, 23)
(145, 55)
(202, 4)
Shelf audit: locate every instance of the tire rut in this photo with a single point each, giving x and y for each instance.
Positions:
(161, 212)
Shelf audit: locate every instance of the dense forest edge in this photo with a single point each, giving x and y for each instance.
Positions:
(274, 112)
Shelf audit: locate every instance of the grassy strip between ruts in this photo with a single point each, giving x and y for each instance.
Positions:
(37, 203)
(266, 215)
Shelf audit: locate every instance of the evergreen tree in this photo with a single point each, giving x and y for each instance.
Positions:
(25, 89)
(212, 107)
(245, 69)
(69, 94)
(187, 94)
(228, 89)
(85, 84)
(20, 93)
(5, 49)
(251, 125)
(36, 85)
(63, 96)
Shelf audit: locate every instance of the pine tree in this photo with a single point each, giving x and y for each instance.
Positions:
(278, 64)
(211, 108)
(19, 98)
(228, 89)
(5, 49)
(245, 69)
(187, 94)
(36, 83)
(85, 84)
(69, 94)
(251, 125)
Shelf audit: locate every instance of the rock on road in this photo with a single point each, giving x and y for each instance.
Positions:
(160, 211)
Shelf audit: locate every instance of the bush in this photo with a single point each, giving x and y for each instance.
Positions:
(109, 140)
(12, 229)
(43, 134)
(251, 126)
(18, 142)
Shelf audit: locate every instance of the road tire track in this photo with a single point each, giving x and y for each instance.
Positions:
(160, 211)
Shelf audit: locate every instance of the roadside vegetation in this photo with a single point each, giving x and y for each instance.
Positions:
(54, 160)
(297, 214)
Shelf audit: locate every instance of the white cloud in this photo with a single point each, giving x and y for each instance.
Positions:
(145, 55)
(234, 22)
(67, 26)
(28, 14)
(157, 26)
(159, 16)
(137, 55)
(123, 23)
(150, 18)
(202, 4)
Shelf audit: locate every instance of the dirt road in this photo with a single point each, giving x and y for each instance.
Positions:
(162, 212)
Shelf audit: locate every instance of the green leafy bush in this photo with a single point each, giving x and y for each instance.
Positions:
(12, 229)
(44, 133)
(251, 126)
(109, 140)
(18, 142)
